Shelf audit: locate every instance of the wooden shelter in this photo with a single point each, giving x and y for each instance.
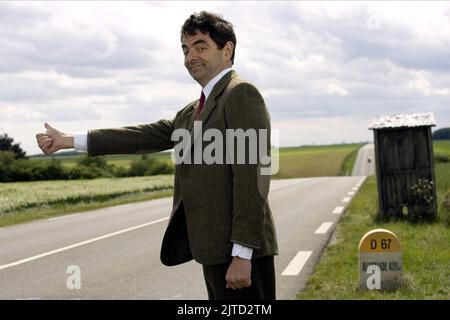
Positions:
(404, 165)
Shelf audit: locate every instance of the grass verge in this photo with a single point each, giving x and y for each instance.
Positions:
(58, 209)
(426, 252)
(349, 162)
(313, 161)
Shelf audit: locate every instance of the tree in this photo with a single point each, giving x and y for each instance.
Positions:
(442, 134)
(6, 144)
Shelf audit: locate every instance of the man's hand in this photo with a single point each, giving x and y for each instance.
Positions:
(239, 274)
(53, 140)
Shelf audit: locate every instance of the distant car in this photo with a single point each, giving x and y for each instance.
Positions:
(369, 159)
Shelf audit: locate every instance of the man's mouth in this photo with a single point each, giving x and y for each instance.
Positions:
(195, 67)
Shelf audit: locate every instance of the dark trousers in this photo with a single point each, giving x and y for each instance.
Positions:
(262, 287)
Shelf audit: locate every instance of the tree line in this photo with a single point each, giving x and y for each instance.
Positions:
(16, 166)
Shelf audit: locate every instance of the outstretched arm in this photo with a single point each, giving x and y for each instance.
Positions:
(145, 138)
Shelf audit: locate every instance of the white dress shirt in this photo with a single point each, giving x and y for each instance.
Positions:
(80, 144)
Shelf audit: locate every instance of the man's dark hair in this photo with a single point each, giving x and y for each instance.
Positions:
(220, 30)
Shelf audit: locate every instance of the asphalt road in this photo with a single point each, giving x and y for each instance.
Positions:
(115, 250)
(365, 161)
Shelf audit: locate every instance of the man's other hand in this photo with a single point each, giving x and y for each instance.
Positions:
(239, 274)
(53, 140)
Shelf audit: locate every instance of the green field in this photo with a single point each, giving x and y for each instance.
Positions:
(441, 147)
(295, 162)
(23, 201)
(117, 160)
(317, 161)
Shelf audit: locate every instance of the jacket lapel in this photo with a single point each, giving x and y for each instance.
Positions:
(215, 93)
(209, 106)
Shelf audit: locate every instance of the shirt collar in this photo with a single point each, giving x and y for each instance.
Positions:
(210, 85)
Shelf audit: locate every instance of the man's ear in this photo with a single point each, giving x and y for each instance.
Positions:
(228, 49)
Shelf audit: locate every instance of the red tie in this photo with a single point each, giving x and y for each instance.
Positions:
(200, 106)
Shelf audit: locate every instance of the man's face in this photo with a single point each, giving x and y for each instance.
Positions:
(202, 58)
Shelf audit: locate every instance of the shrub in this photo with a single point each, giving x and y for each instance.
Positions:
(29, 170)
(422, 201)
(148, 167)
(445, 210)
(441, 158)
(98, 162)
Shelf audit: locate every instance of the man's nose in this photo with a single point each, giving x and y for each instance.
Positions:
(191, 56)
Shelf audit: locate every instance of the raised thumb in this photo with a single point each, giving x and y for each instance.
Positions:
(47, 126)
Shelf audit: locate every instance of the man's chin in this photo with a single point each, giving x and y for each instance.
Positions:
(197, 76)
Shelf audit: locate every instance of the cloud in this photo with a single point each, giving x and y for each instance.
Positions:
(320, 66)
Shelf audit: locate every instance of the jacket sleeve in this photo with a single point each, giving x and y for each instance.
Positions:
(144, 138)
(246, 110)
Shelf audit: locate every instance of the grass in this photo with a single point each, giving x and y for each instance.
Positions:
(316, 161)
(349, 162)
(295, 162)
(117, 160)
(50, 211)
(441, 147)
(426, 252)
(25, 201)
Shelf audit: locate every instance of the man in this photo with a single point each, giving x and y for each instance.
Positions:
(220, 216)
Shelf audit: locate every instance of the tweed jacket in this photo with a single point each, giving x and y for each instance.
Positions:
(214, 205)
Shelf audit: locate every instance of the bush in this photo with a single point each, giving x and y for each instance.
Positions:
(7, 158)
(160, 167)
(119, 172)
(140, 167)
(98, 162)
(422, 207)
(441, 158)
(84, 172)
(148, 167)
(12, 169)
(445, 210)
(29, 170)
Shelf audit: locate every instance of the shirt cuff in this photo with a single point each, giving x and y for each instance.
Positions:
(80, 141)
(242, 251)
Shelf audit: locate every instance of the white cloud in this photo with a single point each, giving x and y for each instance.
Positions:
(318, 65)
(335, 89)
(423, 85)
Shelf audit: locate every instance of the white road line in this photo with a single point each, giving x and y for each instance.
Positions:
(355, 189)
(351, 193)
(62, 217)
(79, 244)
(324, 227)
(338, 210)
(360, 182)
(296, 265)
(346, 199)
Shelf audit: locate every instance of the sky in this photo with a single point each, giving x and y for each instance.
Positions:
(325, 69)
